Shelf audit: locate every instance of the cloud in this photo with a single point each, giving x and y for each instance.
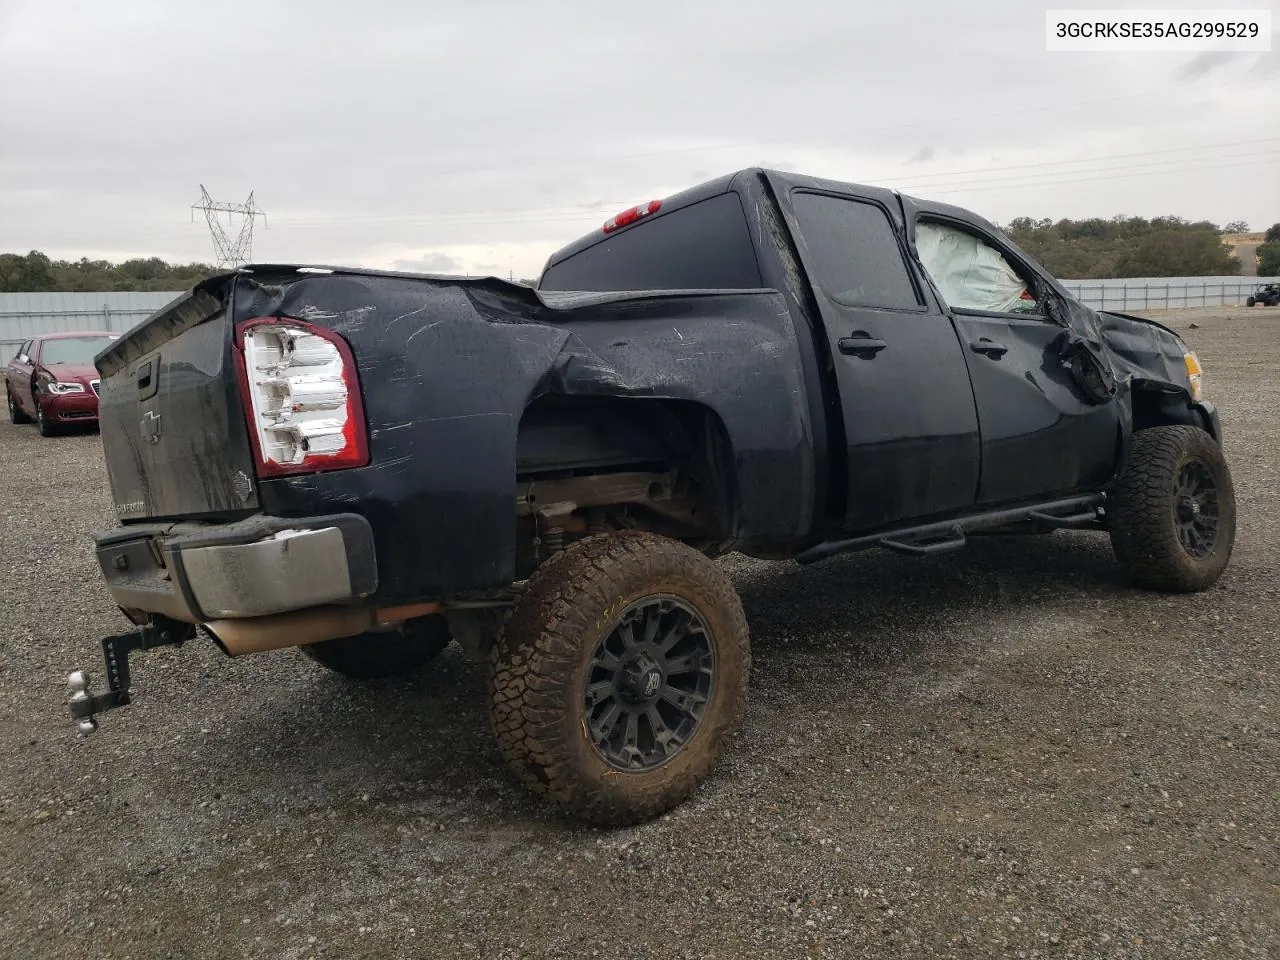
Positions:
(923, 155)
(1266, 64)
(434, 262)
(1205, 63)
(403, 148)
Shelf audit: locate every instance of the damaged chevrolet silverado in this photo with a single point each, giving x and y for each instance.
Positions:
(369, 465)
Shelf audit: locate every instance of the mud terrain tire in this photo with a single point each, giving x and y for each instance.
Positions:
(1173, 513)
(615, 627)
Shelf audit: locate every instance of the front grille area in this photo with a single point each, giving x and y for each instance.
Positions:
(93, 385)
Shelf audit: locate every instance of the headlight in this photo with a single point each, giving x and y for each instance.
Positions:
(1194, 376)
(63, 388)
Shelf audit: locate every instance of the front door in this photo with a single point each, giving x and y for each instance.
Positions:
(911, 428)
(1040, 436)
(19, 374)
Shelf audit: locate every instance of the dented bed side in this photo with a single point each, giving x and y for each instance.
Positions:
(447, 368)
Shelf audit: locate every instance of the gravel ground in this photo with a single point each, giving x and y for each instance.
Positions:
(1003, 752)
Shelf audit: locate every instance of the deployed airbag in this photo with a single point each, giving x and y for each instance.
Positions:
(968, 273)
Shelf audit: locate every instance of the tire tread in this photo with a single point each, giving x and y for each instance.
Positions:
(533, 663)
(1140, 510)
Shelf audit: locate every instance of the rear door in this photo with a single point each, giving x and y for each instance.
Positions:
(911, 429)
(1039, 435)
(173, 431)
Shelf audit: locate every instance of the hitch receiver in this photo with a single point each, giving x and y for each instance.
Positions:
(159, 632)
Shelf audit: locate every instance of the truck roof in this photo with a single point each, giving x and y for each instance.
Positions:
(731, 181)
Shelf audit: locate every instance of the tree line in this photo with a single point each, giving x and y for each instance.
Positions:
(1128, 247)
(1269, 253)
(1074, 249)
(36, 272)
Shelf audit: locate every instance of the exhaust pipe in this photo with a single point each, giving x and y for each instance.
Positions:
(278, 631)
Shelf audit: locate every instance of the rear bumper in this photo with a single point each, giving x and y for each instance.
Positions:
(252, 568)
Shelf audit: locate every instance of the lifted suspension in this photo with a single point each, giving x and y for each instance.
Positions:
(85, 706)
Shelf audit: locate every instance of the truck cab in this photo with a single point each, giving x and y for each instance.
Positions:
(934, 347)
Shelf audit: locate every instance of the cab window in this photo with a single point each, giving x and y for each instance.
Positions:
(854, 250)
(970, 273)
(704, 246)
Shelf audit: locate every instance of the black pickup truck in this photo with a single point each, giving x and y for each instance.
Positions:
(368, 465)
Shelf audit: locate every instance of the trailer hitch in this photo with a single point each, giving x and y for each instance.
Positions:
(85, 706)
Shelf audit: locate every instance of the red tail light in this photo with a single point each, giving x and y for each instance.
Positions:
(301, 397)
(631, 215)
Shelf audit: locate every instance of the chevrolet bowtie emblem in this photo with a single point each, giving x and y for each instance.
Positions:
(151, 427)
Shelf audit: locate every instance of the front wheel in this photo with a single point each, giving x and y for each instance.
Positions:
(46, 428)
(620, 675)
(387, 653)
(1250, 302)
(1173, 512)
(16, 415)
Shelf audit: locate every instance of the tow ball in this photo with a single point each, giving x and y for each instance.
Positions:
(85, 706)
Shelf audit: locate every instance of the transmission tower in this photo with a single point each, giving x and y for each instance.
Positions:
(231, 253)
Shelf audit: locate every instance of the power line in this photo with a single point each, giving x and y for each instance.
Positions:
(1117, 176)
(933, 123)
(1056, 163)
(584, 212)
(570, 214)
(1070, 174)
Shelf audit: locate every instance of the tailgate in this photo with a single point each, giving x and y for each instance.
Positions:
(173, 430)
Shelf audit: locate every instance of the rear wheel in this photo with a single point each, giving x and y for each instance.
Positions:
(377, 654)
(16, 414)
(1173, 512)
(620, 675)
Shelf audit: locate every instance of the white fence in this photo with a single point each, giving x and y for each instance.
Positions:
(1164, 293)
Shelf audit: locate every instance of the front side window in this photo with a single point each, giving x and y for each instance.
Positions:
(855, 252)
(970, 273)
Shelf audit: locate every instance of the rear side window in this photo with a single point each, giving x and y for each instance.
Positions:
(704, 246)
(854, 252)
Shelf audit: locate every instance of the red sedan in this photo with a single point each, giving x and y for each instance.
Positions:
(52, 380)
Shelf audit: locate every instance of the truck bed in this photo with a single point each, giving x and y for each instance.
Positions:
(461, 381)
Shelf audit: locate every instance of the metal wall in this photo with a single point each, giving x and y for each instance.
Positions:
(1164, 293)
(27, 315)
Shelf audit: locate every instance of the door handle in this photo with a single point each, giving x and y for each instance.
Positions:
(988, 346)
(148, 379)
(861, 345)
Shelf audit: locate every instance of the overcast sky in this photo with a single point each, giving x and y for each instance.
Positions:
(479, 137)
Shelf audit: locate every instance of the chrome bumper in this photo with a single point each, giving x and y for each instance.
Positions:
(252, 568)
